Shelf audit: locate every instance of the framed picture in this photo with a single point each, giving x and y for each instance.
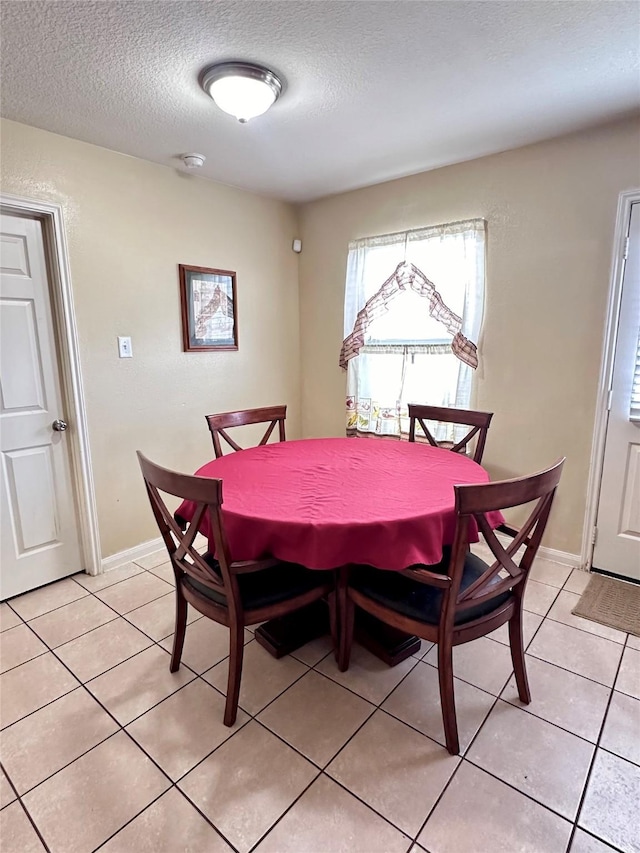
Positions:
(208, 300)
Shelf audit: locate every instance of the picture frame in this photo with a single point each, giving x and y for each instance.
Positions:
(209, 309)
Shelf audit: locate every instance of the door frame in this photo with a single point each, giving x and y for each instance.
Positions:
(625, 200)
(64, 324)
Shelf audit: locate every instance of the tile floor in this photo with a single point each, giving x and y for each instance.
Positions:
(102, 748)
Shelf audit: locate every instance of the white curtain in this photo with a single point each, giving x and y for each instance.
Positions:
(407, 354)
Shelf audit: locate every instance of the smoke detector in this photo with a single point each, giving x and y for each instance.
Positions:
(193, 161)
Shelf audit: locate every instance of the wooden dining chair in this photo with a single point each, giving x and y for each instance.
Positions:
(218, 424)
(478, 421)
(231, 593)
(462, 598)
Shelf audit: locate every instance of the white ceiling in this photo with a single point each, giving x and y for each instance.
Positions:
(374, 90)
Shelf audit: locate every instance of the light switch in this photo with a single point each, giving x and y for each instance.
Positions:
(124, 347)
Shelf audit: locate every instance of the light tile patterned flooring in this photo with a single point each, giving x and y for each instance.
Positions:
(102, 748)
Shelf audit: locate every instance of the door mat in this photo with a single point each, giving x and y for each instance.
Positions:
(611, 602)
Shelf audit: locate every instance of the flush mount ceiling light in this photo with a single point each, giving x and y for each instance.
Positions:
(241, 89)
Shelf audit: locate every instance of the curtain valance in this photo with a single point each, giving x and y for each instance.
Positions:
(408, 275)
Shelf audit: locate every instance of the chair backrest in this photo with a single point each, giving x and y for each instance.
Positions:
(473, 504)
(478, 421)
(218, 424)
(206, 494)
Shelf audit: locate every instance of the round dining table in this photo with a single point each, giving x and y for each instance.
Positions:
(331, 502)
(326, 503)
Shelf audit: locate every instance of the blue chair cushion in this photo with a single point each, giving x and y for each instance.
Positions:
(419, 601)
(267, 586)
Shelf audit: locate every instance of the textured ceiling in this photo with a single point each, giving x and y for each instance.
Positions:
(374, 90)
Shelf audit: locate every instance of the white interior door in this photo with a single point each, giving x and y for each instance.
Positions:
(40, 534)
(617, 548)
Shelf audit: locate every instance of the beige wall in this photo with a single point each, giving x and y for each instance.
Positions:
(129, 224)
(550, 210)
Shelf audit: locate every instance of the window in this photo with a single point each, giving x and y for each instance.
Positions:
(413, 310)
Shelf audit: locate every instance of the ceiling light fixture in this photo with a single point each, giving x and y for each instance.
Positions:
(241, 89)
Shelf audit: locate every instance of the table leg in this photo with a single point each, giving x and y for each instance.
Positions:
(287, 633)
(387, 643)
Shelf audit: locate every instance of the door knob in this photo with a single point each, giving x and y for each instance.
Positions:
(59, 426)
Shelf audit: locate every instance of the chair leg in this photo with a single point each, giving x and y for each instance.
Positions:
(447, 698)
(516, 643)
(181, 627)
(346, 613)
(236, 652)
(332, 600)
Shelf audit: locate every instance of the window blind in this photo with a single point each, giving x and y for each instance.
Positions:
(634, 409)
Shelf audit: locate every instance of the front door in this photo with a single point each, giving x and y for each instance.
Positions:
(617, 548)
(40, 535)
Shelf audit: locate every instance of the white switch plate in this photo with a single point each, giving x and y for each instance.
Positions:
(124, 347)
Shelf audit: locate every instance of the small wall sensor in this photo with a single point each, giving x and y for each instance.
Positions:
(193, 161)
(297, 246)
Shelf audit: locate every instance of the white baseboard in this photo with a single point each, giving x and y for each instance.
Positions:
(146, 548)
(562, 557)
(135, 553)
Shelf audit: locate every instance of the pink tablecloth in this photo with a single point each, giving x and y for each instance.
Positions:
(325, 503)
